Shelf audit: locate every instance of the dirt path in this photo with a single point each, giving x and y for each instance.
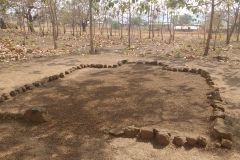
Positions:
(41, 142)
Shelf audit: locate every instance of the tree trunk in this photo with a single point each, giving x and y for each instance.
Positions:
(129, 25)
(91, 33)
(210, 30)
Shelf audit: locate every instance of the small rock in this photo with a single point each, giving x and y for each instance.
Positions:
(92, 65)
(140, 63)
(56, 76)
(131, 131)
(115, 66)
(202, 141)
(217, 114)
(146, 133)
(99, 66)
(169, 69)
(221, 130)
(117, 132)
(78, 67)
(194, 70)
(24, 89)
(209, 96)
(161, 64)
(2, 99)
(105, 66)
(82, 65)
(29, 87)
(226, 143)
(191, 141)
(6, 96)
(180, 69)
(45, 80)
(51, 78)
(61, 75)
(13, 93)
(164, 67)
(179, 140)
(199, 71)
(162, 137)
(124, 61)
(153, 63)
(120, 63)
(210, 82)
(185, 70)
(19, 90)
(36, 115)
(67, 72)
(174, 69)
(109, 66)
(37, 84)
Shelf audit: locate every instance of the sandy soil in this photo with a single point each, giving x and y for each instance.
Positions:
(88, 102)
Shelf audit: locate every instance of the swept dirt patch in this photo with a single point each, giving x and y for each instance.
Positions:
(89, 102)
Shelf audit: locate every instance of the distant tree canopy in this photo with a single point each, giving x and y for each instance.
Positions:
(185, 19)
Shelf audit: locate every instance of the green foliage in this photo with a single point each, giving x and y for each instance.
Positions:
(127, 49)
(218, 51)
(11, 44)
(11, 68)
(116, 25)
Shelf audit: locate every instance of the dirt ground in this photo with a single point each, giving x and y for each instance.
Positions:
(89, 102)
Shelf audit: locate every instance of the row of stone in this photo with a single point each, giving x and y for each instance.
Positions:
(162, 137)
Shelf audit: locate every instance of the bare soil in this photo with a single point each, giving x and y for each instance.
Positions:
(87, 103)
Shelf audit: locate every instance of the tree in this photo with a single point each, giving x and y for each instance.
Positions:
(185, 19)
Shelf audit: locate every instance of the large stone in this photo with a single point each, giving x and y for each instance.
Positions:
(6, 96)
(217, 114)
(146, 133)
(179, 141)
(221, 130)
(162, 137)
(36, 115)
(191, 141)
(202, 141)
(131, 131)
(13, 93)
(226, 143)
(117, 132)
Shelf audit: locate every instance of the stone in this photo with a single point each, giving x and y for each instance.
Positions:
(169, 69)
(67, 72)
(24, 89)
(36, 115)
(180, 69)
(221, 130)
(37, 84)
(115, 66)
(131, 131)
(164, 67)
(191, 141)
(109, 66)
(153, 63)
(92, 65)
(125, 61)
(210, 82)
(117, 132)
(105, 66)
(88, 65)
(73, 68)
(140, 63)
(2, 99)
(13, 93)
(99, 66)
(120, 63)
(82, 65)
(45, 80)
(161, 64)
(194, 70)
(51, 78)
(29, 87)
(209, 96)
(185, 70)
(19, 90)
(6, 96)
(218, 106)
(56, 76)
(61, 75)
(226, 143)
(179, 141)
(78, 67)
(162, 137)
(217, 114)
(174, 69)
(202, 141)
(146, 133)
(199, 71)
